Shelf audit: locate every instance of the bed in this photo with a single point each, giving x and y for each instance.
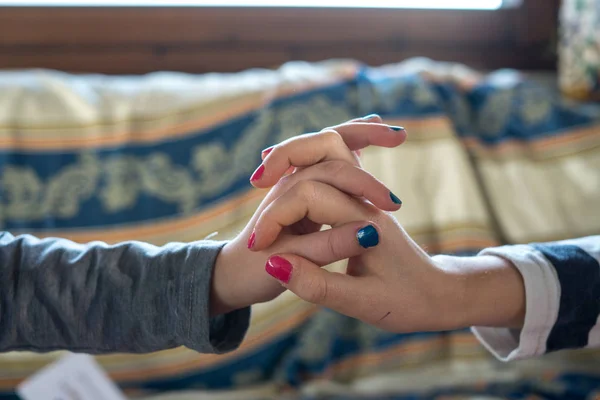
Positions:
(492, 158)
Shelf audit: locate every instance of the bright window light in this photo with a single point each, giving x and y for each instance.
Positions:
(435, 4)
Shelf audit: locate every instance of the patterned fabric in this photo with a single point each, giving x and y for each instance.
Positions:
(579, 48)
(166, 157)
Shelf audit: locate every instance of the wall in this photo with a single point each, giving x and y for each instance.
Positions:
(136, 40)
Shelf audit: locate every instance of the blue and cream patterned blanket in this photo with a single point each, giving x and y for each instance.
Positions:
(490, 159)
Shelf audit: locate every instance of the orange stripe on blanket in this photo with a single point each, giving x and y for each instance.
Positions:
(577, 140)
(415, 347)
(126, 232)
(108, 139)
(454, 237)
(429, 122)
(227, 111)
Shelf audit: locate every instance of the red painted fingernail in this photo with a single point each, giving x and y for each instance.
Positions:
(251, 240)
(266, 151)
(258, 173)
(279, 268)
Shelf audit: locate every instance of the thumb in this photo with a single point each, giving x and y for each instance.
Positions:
(335, 244)
(333, 290)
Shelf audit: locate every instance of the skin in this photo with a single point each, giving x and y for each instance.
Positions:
(239, 279)
(395, 286)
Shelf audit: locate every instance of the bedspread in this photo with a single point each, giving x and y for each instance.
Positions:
(490, 159)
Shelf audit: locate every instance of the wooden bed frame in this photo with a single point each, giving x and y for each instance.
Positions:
(140, 40)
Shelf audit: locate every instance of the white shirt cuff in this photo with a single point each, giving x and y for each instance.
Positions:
(542, 293)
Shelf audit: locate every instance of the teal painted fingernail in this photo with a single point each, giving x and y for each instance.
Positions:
(368, 237)
(396, 128)
(370, 116)
(395, 198)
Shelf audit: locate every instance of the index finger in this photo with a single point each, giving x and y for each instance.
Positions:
(371, 119)
(339, 292)
(319, 202)
(358, 135)
(335, 143)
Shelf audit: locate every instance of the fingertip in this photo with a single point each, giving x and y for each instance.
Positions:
(252, 240)
(372, 118)
(280, 268)
(266, 152)
(368, 236)
(261, 178)
(257, 174)
(391, 202)
(255, 243)
(395, 136)
(400, 136)
(386, 136)
(396, 200)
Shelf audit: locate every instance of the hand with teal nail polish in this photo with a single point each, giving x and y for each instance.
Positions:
(390, 281)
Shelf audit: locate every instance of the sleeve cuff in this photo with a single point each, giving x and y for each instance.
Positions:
(227, 331)
(542, 293)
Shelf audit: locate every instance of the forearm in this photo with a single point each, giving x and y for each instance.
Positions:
(557, 294)
(96, 298)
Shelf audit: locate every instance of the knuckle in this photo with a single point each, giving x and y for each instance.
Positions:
(374, 214)
(332, 137)
(332, 167)
(315, 290)
(267, 218)
(333, 246)
(305, 189)
(286, 182)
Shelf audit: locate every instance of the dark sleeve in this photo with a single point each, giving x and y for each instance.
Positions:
(577, 266)
(562, 291)
(97, 298)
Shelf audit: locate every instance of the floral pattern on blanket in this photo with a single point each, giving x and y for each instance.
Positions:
(476, 143)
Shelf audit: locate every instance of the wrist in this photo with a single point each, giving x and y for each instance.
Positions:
(489, 291)
(222, 300)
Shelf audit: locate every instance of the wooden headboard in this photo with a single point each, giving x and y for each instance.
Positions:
(139, 40)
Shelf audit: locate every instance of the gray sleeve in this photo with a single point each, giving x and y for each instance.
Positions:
(97, 298)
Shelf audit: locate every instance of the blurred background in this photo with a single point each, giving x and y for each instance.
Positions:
(143, 120)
